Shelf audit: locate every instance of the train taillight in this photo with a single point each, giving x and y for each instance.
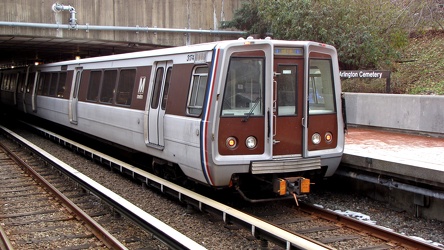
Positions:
(328, 137)
(231, 142)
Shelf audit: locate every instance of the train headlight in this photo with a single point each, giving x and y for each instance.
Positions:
(231, 142)
(251, 142)
(328, 137)
(316, 138)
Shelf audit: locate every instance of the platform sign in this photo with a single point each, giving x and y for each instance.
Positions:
(374, 74)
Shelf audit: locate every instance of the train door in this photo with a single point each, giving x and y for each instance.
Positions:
(157, 103)
(14, 87)
(34, 89)
(29, 91)
(23, 89)
(74, 96)
(288, 106)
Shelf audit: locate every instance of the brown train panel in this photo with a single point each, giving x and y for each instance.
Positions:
(241, 130)
(319, 55)
(290, 136)
(323, 124)
(136, 103)
(179, 89)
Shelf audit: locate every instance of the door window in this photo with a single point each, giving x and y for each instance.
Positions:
(287, 90)
(157, 87)
(77, 83)
(166, 88)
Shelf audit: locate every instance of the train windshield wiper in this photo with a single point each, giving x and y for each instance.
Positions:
(256, 102)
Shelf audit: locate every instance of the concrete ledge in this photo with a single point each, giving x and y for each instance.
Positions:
(403, 169)
(405, 112)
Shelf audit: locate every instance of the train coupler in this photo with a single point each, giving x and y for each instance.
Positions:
(291, 185)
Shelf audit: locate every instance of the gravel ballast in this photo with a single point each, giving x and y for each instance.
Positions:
(211, 233)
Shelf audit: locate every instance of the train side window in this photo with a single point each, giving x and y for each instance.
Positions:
(198, 88)
(94, 85)
(3, 81)
(125, 86)
(40, 84)
(13, 85)
(108, 86)
(6, 81)
(21, 82)
(53, 84)
(44, 81)
(166, 88)
(61, 85)
(30, 84)
(9, 81)
(12, 82)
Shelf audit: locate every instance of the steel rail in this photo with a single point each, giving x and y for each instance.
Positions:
(374, 230)
(171, 237)
(100, 232)
(5, 243)
(258, 228)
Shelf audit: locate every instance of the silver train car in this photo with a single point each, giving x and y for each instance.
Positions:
(254, 115)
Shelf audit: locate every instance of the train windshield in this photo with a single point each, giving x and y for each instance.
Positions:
(320, 87)
(243, 95)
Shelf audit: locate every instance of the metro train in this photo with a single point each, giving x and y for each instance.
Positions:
(254, 115)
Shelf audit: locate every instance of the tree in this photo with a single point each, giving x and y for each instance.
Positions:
(366, 33)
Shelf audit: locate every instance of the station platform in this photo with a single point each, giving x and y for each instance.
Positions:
(418, 158)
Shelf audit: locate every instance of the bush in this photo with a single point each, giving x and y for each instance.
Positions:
(367, 33)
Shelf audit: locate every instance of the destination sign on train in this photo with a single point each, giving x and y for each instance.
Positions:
(289, 51)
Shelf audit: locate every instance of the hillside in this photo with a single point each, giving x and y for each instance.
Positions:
(419, 71)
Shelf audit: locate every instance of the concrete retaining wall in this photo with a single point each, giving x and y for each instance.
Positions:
(185, 14)
(407, 112)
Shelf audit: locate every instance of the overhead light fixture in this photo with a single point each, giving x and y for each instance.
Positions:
(77, 57)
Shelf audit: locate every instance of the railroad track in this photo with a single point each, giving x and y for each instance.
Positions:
(88, 209)
(334, 230)
(258, 228)
(289, 229)
(35, 215)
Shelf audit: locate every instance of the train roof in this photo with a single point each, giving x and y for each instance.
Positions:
(179, 50)
(139, 54)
